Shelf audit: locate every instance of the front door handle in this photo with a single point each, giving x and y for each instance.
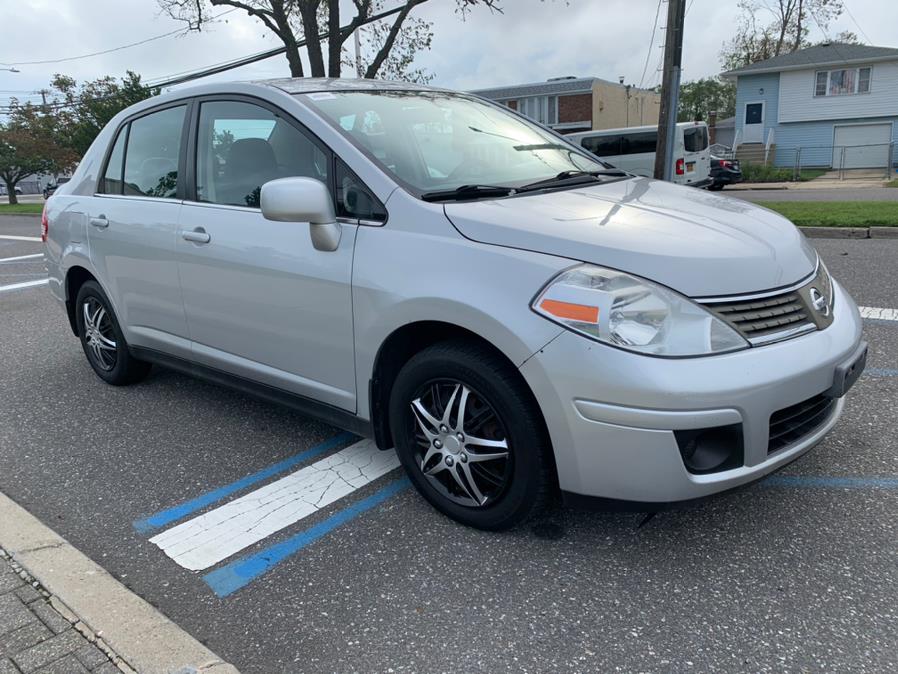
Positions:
(196, 235)
(100, 222)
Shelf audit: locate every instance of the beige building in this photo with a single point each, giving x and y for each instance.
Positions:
(569, 104)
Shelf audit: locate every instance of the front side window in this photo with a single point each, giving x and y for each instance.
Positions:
(842, 82)
(354, 199)
(432, 140)
(241, 146)
(151, 159)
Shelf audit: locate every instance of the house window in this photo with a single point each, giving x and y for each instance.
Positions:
(542, 109)
(842, 82)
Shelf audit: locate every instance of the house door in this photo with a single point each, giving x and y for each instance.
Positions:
(753, 126)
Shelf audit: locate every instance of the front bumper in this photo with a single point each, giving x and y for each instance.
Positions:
(612, 414)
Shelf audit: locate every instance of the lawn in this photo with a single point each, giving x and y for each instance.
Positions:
(759, 173)
(893, 183)
(837, 213)
(14, 209)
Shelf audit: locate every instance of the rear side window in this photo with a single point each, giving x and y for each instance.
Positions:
(695, 139)
(603, 146)
(241, 146)
(354, 199)
(639, 143)
(112, 179)
(151, 159)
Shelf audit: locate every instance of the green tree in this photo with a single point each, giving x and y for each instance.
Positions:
(29, 144)
(768, 28)
(84, 109)
(391, 44)
(701, 97)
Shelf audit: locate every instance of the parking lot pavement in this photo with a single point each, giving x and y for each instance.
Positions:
(797, 573)
(818, 194)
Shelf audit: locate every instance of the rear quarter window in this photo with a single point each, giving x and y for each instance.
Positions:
(695, 139)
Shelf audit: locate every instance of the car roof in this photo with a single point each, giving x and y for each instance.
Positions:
(306, 85)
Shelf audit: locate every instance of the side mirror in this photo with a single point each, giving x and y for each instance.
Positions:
(303, 200)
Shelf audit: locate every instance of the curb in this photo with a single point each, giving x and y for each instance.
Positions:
(850, 232)
(143, 638)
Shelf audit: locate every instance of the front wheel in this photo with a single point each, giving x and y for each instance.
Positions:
(470, 436)
(102, 338)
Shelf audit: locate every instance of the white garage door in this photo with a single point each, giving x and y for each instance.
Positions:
(865, 146)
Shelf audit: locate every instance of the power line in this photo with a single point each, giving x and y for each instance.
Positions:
(220, 67)
(867, 37)
(113, 49)
(648, 56)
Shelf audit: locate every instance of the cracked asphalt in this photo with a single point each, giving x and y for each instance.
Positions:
(767, 579)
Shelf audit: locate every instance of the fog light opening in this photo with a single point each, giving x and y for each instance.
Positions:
(711, 450)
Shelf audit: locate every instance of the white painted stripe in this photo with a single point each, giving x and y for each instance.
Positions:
(11, 237)
(879, 313)
(206, 540)
(24, 284)
(21, 257)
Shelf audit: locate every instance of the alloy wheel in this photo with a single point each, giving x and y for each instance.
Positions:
(99, 334)
(463, 448)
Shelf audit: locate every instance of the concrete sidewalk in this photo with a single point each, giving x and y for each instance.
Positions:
(38, 633)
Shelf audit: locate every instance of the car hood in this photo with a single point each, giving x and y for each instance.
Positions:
(695, 242)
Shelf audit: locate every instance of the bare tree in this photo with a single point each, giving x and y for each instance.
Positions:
(312, 19)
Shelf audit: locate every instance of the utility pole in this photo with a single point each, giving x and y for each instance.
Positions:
(670, 87)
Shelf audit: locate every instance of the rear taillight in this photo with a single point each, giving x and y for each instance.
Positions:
(45, 225)
(726, 164)
(681, 167)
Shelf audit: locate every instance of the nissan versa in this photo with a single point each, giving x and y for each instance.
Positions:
(437, 272)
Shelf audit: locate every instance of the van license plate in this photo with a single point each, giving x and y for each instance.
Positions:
(690, 167)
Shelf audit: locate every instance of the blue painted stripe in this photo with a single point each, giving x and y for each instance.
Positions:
(230, 578)
(170, 515)
(881, 372)
(832, 482)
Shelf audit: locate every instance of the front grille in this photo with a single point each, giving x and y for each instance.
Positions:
(765, 318)
(760, 318)
(789, 425)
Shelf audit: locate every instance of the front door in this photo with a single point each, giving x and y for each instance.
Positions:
(753, 126)
(261, 301)
(132, 225)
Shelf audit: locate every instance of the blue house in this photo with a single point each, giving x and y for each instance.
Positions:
(834, 106)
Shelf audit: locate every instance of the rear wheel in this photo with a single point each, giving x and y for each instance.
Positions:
(102, 338)
(470, 435)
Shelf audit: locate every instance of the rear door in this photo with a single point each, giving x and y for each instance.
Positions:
(132, 223)
(696, 153)
(261, 301)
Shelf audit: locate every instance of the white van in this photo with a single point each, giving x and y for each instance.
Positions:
(633, 150)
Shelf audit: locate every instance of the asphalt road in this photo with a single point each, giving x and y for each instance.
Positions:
(797, 575)
(818, 194)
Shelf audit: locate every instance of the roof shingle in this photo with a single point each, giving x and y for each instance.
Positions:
(819, 55)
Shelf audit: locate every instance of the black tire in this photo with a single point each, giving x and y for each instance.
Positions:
(716, 187)
(494, 386)
(116, 365)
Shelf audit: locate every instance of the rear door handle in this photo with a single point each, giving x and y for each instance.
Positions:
(196, 235)
(99, 222)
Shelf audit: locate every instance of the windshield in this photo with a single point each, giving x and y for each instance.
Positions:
(433, 141)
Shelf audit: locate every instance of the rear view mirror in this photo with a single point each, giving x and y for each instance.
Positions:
(303, 200)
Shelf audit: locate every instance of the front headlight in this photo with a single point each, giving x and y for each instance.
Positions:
(633, 314)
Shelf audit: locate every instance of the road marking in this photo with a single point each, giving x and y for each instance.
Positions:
(881, 372)
(21, 257)
(831, 482)
(230, 578)
(879, 313)
(11, 237)
(177, 512)
(24, 284)
(216, 535)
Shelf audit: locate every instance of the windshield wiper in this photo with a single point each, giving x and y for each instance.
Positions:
(573, 178)
(468, 192)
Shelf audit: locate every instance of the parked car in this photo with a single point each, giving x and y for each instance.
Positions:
(50, 189)
(724, 172)
(633, 149)
(3, 190)
(432, 270)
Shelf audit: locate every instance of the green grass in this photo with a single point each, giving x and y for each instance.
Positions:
(759, 173)
(893, 183)
(837, 213)
(18, 209)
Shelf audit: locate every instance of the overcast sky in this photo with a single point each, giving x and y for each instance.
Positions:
(531, 41)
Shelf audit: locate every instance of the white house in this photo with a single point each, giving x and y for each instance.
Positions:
(835, 104)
